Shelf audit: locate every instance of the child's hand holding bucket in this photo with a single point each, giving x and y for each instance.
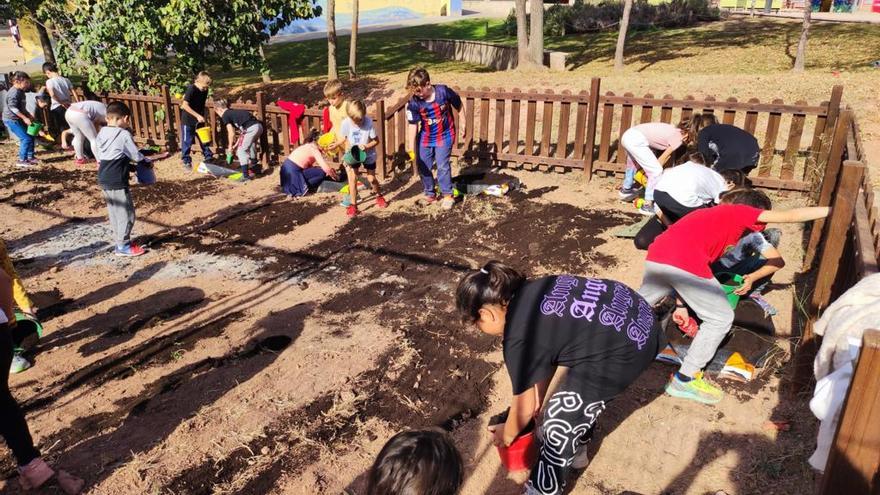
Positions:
(745, 287)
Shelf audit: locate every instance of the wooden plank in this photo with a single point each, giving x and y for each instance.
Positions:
(769, 148)
(689, 102)
(580, 124)
(590, 138)
(379, 125)
(170, 141)
(625, 123)
(469, 120)
(513, 139)
(531, 122)
(865, 247)
(708, 107)
(666, 111)
(829, 184)
(795, 131)
(499, 125)
(562, 139)
(647, 111)
(546, 125)
(605, 137)
(687, 108)
(830, 262)
(729, 114)
(484, 120)
(751, 122)
(854, 458)
(527, 159)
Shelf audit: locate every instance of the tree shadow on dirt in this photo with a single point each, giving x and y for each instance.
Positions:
(146, 420)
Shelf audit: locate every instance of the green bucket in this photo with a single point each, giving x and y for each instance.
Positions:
(27, 331)
(354, 156)
(730, 282)
(34, 128)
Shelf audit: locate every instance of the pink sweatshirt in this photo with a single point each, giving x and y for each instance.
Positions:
(661, 136)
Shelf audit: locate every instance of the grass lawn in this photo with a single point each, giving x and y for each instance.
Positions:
(753, 46)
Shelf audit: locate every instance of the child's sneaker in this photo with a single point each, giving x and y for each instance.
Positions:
(352, 211)
(646, 209)
(381, 203)
(346, 200)
(187, 167)
(130, 250)
(696, 389)
(629, 194)
(429, 200)
(34, 161)
(24, 164)
(19, 364)
(81, 161)
(447, 203)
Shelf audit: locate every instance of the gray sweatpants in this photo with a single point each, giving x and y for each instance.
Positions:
(704, 296)
(247, 150)
(83, 129)
(121, 209)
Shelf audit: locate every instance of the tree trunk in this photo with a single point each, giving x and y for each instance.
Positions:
(352, 49)
(332, 73)
(536, 32)
(522, 35)
(267, 76)
(800, 59)
(621, 36)
(45, 40)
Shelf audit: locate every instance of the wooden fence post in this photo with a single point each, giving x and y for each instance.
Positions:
(829, 183)
(592, 118)
(264, 138)
(379, 126)
(170, 136)
(854, 460)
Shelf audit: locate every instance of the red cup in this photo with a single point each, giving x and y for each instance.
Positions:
(521, 454)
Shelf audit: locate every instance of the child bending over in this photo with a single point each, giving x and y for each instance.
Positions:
(418, 462)
(357, 133)
(299, 172)
(250, 130)
(679, 261)
(598, 334)
(115, 152)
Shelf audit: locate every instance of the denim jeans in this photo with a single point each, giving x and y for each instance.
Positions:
(187, 135)
(25, 140)
(427, 156)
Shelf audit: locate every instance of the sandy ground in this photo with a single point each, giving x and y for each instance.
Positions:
(265, 345)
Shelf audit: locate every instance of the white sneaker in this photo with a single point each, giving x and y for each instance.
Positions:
(25, 164)
(447, 203)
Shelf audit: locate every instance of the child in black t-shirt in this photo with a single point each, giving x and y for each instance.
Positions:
(249, 129)
(600, 333)
(192, 114)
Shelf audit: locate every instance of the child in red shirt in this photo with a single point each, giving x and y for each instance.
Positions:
(678, 262)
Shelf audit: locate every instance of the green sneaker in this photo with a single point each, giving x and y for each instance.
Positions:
(19, 364)
(697, 389)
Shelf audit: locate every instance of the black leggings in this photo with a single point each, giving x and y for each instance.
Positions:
(672, 211)
(13, 426)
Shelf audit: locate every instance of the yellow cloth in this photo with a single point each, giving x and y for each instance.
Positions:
(18, 293)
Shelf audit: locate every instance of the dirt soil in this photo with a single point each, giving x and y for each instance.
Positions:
(269, 345)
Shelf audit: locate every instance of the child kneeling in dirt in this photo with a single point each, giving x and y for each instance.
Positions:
(357, 134)
(423, 462)
(115, 152)
(299, 173)
(250, 130)
(600, 335)
(679, 261)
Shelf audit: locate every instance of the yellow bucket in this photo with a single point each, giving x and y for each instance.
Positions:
(204, 134)
(327, 140)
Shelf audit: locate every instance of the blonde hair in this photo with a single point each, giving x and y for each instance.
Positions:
(417, 78)
(356, 109)
(332, 88)
(694, 125)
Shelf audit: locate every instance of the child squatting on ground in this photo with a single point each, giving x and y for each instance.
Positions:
(115, 152)
(305, 168)
(418, 462)
(192, 114)
(358, 138)
(249, 129)
(598, 335)
(679, 262)
(33, 471)
(433, 132)
(640, 142)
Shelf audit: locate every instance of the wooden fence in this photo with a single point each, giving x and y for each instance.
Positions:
(547, 129)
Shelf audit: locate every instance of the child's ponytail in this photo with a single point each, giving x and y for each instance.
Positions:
(495, 283)
(312, 136)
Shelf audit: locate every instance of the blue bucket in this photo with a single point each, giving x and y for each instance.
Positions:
(145, 174)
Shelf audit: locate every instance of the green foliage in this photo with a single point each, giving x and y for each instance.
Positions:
(581, 17)
(140, 44)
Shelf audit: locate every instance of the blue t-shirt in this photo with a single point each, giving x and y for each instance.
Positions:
(360, 135)
(437, 123)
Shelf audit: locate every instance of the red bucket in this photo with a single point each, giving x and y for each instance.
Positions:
(523, 452)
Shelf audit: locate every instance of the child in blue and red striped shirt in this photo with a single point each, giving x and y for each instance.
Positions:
(430, 110)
